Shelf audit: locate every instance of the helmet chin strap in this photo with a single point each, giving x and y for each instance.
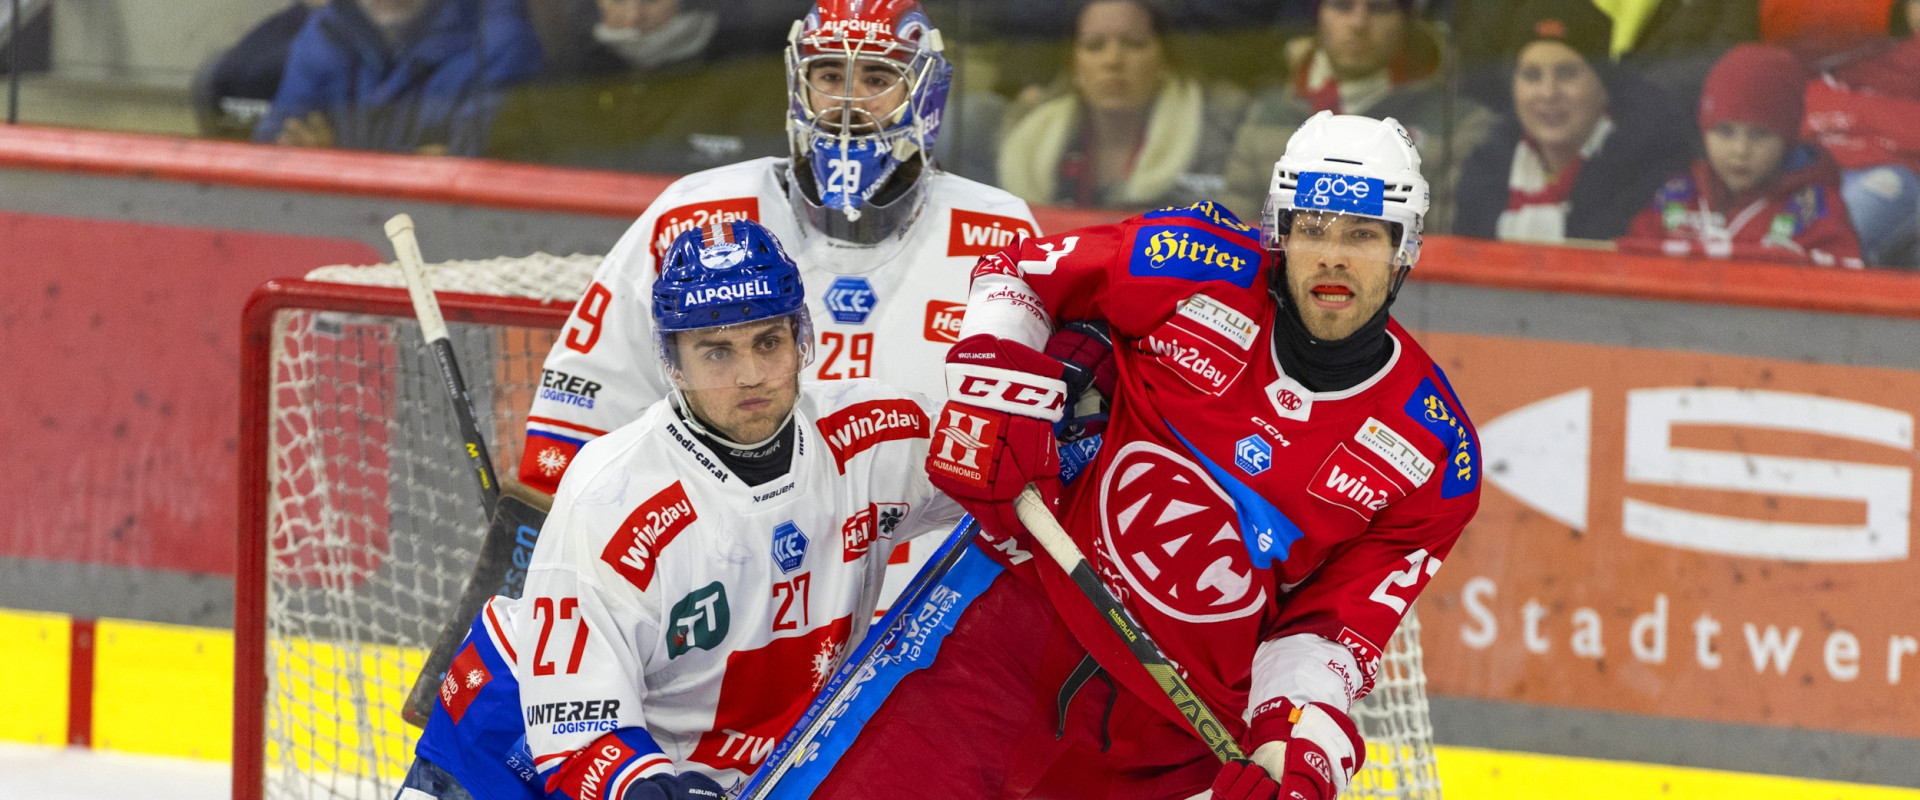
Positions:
(686, 412)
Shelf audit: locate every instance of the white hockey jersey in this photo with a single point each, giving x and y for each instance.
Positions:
(666, 594)
(887, 311)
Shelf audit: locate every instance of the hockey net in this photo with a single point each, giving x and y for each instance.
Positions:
(361, 523)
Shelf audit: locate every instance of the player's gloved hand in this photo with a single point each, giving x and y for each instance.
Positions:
(995, 434)
(1086, 348)
(1313, 749)
(685, 786)
(1241, 779)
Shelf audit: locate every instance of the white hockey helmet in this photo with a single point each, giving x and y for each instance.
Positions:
(1351, 165)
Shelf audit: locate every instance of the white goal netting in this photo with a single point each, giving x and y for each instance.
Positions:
(373, 525)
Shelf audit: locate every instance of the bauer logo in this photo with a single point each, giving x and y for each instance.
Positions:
(700, 620)
(943, 321)
(789, 546)
(858, 427)
(976, 234)
(677, 221)
(1252, 455)
(1180, 251)
(850, 300)
(1326, 191)
(635, 548)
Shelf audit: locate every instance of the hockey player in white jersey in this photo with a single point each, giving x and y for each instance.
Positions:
(885, 239)
(703, 567)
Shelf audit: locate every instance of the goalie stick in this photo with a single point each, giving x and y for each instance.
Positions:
(1041, 523)
(514, 516)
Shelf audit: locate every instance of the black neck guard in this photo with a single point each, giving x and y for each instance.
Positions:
(1329, 366)
(770, 461)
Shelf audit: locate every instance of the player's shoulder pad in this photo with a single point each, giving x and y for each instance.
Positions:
(855, 416)
(628, 503)
(604, 460)
(727, 193)
(1425, 398)
(1203, 242)
(965, 193)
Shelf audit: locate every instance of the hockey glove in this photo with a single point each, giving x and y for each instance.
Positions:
(1241, 779)
(1086, 348)
(1313, 750)
(685, 786)
(995, 434)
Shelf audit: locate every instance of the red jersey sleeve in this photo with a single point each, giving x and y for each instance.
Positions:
(1360, 594)
(1133, 275)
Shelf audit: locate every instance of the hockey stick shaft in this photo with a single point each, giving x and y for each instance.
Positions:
(433, 328)
(1045, 528)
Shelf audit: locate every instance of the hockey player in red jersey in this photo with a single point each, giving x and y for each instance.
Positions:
(1283, 471)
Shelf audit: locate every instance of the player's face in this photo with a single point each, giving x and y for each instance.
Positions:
(1557, 95)
(865, 97)
(1361, 37)
(1744, 155)
(391, 12)
(1339, 270)
(1117, 64)
(741, 380)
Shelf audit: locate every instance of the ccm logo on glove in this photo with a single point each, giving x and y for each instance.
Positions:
(1008, 390)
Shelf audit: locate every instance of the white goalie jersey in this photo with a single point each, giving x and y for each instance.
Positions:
(887, 311)
(667, 595)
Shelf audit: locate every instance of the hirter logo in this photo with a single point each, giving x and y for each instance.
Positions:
(635, 548)
(943, 321)
(465, 678)
(858, 427)
(694, 215)
(1348, 481)
(956, 446)
(977, 234)
(1174, 536)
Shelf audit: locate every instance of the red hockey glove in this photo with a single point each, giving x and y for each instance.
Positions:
(1322, 751)
(995, 434)
(1241, 779)
(1085, 347)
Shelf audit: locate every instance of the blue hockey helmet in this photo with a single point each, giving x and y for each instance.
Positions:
(866, 87)
(722, 275)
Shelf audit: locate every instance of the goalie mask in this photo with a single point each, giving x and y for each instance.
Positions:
(732, 330)
(866, 86)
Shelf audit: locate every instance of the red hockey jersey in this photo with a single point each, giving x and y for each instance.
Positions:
(1229, 506)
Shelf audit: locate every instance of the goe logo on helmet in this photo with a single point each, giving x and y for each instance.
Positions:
(1321, 191)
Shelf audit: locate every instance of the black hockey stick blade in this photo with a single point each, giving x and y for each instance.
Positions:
(1041, 523)
(502, 570)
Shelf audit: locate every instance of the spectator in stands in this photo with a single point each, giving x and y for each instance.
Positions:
(1865, 110)
(1585, 145)
(1670, 43)
(1760, 194)
(1131, 130)
(1372, 57)
(636, 36)
(234, 90)
(400, 75)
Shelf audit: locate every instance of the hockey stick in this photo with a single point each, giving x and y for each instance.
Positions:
(514, 518)
(1041, 523)
(798, 745)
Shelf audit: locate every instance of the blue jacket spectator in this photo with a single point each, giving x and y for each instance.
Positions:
(400, 75)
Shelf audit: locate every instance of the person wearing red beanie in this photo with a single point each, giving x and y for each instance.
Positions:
(1761, 193)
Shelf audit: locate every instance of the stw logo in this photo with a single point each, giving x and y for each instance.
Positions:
(695, 215)
(1175, 538)
(635, 548)
(976, 234)
(943, 321)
